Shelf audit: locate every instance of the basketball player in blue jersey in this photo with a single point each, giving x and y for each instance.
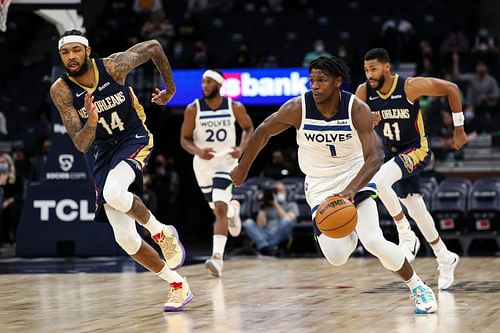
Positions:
(101, 112)
(339, 153)
(396, 113)
(208, 132)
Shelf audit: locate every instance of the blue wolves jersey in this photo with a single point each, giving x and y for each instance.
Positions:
(120, 113)
(401, 127)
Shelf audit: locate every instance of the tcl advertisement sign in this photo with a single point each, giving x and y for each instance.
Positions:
(249, 86)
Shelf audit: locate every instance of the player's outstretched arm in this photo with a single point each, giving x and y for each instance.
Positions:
(82, 136)
(372, 150)
(288, 115)
(427, 86)
(120, 64)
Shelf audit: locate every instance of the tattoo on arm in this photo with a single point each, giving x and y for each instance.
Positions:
(82, 136)
(138, 54)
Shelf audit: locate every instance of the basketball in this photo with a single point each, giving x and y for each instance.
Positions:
(336, 217)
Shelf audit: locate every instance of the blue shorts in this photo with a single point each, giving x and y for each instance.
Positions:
(410, 169)
(134, 149)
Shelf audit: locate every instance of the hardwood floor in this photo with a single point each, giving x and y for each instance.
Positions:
(254, 295)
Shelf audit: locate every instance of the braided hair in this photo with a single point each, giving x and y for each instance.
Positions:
(333, 66)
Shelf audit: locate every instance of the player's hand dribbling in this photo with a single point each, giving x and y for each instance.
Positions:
(206, 153)
(91, 110)
(459, 137)
(160, 97)
(235, 152)
(347, 193)
(238, 175)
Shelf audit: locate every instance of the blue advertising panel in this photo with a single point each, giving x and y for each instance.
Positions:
(267, 86)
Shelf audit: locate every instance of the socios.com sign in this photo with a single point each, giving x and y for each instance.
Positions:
(249, 86)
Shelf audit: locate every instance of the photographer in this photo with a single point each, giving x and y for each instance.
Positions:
(275, 220)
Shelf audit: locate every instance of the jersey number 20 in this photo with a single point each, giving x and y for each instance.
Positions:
(219, 135)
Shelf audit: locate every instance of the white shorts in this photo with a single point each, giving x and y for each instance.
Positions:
(213, 177)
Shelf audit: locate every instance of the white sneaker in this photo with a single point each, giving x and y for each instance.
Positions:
(214, 265)
(446, 270)
(234, 223)
(179, 295)
(171, 246)
(425, 301)
(409, 244)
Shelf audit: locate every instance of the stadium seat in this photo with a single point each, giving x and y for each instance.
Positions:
(246, 196)
(427, 187)
(449, 204)
(484, 205)
(259, 182)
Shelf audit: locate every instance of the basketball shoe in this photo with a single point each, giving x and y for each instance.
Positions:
(179, 295)
(214, 265)
(409, 244)
(446, 268)
(425, 301)
(171, 246)
(234, 223)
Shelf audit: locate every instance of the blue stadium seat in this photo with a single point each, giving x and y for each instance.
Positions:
(449, 204)
(259, 182)
(293, 185)
(484, 205)
(246, 197)
(427, 187)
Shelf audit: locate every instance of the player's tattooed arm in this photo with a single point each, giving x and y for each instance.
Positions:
(120, 64)
(81, 135)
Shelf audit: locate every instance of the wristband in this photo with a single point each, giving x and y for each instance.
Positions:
(458, 118)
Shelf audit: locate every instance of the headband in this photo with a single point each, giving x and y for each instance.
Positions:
(214, 76)
(73, 39)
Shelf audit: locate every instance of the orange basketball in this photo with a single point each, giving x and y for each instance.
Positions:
(336, 217)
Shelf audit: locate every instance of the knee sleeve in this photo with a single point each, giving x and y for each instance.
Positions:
(338, 250)
(221, 195)
(115, 190)
(372, 238)
(415, 205)
(124, 229)
(388, 174)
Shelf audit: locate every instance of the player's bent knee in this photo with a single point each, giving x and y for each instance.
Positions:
(117, 197)
(130, 243)
(337, 251)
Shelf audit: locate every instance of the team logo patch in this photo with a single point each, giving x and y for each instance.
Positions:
(407, 162)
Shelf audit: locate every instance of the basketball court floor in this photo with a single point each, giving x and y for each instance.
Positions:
(256, 294)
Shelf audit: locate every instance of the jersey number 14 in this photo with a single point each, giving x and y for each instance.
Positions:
(116, 122)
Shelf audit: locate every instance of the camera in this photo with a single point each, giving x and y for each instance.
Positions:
(267, 196)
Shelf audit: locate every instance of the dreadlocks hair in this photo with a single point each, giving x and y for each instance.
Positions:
(333, 66)
(379, 54)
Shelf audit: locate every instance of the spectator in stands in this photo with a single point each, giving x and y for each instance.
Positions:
(279, 167)
(188, 29)
(12, 194)
(39, 162)
(455, 43)
(158, 27)
(201, 58)
(242, 57)
(274, 221)
(318, 51)
(178, 56)
(485, 47)
(398, 36)
(482, 94)
(147, 6)
(427, 64)
(3, 126)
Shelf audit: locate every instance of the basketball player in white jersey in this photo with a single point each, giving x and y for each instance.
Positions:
(339, 152)
(394, 102)
(208, 132)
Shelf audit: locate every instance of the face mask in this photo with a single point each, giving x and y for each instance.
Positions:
(281, 197)
(4, 167)
(319, 48)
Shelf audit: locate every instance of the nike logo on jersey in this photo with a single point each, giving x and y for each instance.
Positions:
(139, 136)
(103, 86)
(396, 97)
(80, 94)
(372, 98)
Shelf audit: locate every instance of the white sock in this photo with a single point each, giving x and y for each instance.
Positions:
(440, 250)
(169, 275)
(403, 226)
(219, 245)
(230, 211)
(414, 281)
(154, 226)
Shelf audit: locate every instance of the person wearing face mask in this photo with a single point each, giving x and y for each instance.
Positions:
(274, 221)
(318, 51)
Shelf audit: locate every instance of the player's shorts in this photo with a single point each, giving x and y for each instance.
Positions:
(411, 162)
(213, 177)
(134, 149)
(318, 189)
